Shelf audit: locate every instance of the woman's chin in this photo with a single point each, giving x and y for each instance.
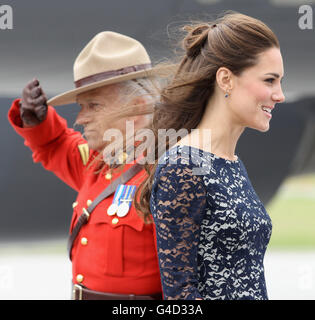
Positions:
(261, 128)
(265, 128)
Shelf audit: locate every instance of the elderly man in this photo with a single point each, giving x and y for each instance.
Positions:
(112, 250)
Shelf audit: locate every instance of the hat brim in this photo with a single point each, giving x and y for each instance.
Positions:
(70, 96)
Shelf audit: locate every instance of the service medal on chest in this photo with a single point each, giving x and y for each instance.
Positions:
(123, 209)
(112, 209)
(122, 200)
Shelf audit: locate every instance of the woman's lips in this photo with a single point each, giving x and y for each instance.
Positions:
(267, 111)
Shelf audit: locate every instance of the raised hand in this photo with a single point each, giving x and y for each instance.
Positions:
(33, 107)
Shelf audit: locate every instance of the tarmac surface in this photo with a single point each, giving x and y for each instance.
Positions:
(42, 271)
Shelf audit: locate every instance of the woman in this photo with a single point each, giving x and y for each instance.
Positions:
(212, 230)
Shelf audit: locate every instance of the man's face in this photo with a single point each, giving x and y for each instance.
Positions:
(99, 110)
(95, 104)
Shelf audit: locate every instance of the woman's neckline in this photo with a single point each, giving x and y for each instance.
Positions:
(206, 152)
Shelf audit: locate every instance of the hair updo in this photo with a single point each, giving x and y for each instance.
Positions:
(195, 39)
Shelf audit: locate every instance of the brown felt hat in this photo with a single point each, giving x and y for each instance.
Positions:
(108, 58)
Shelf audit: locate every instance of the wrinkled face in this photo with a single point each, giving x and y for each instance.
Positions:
(257, 90)
(95, 104)
(99, 112)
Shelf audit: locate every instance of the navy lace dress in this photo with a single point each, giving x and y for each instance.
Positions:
(212, 229)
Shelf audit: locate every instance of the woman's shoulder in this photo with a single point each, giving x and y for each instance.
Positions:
(178, 180)
(184, 158)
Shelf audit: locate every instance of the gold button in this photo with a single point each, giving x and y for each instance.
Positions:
(80, 278)
(115, 221)
(84, 241)
(123, 157)
(108, 176)
(74, 204)
(89, 202)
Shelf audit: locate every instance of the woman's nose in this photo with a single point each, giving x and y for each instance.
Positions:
(279, 96)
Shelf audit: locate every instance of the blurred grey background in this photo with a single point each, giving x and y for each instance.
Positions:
(45, 40)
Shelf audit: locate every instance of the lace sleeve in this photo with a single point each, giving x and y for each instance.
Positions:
(177, 202)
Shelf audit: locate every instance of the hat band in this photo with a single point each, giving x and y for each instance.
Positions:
(110, 74)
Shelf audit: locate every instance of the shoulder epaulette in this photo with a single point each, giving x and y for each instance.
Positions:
(84, 152)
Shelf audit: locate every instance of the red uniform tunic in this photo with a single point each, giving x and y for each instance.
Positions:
(110, 254)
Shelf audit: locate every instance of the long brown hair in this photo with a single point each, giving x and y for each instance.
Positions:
(233, 41)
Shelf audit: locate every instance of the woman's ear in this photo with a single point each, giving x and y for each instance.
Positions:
(225, 79)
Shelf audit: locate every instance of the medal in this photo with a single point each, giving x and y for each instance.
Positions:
(122, 201)
(123, 209)
(125, 201)
(112, 209)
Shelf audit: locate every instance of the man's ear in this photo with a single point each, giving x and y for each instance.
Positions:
(140, 104)
(138, 101)
(142, 109)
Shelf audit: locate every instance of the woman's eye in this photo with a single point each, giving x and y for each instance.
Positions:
(270, 80)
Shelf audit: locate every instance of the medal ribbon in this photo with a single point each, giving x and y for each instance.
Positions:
(118, 194)
(128, 195)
